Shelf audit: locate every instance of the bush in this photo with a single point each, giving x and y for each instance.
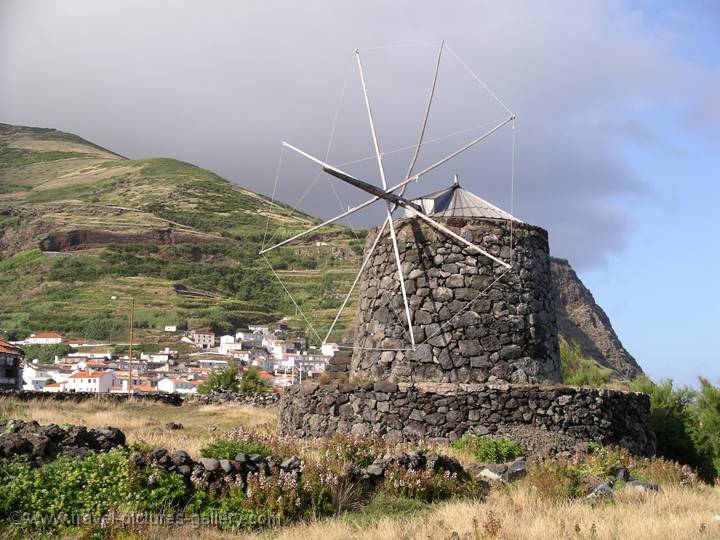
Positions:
(224, 380)
(95, 486)
(579, 370)
(672, 418)
(251, 381)
(226, 449)
(46, 354)
(488, 449)
(705, 427)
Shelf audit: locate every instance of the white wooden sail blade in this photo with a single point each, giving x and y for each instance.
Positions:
(456, 236)
(366, 259)
(348, 212)
(466, 147)
(381, 167)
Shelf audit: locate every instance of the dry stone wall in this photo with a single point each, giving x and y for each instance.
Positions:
(406, 411)
(473, 320)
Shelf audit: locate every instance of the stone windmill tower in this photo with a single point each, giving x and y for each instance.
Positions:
(453, 297)
(474, 320)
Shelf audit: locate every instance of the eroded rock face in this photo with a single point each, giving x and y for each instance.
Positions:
(473, 320)
(581, 321)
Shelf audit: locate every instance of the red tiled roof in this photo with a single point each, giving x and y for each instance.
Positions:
(46, 335)
(9, 348)
(144, 388)
(88, 374)
(55, 385)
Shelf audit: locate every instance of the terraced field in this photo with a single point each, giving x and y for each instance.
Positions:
(80, 225)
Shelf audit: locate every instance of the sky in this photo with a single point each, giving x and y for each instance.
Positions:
(616, 138)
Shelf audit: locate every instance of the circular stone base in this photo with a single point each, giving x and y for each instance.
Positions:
(407, 412)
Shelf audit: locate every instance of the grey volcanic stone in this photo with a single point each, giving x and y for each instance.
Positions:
(470, 307)
(449, 410)
(643, 487)
(210, 464)
(602, 492)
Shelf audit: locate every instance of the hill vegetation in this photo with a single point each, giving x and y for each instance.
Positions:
(80, 225)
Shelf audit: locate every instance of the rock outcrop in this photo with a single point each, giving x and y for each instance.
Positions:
(581, 321)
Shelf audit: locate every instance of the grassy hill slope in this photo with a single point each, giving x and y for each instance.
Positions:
(80, 224)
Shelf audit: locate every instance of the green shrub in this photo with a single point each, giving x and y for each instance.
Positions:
(94, 486)
(672, 418)
(705, 427)
(224, 380)
(251, 381)
(579, 370)
(226, 449)
(489, 449)
(46, 354)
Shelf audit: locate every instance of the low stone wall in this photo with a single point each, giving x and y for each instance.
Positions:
(405, 411)
(264, 399)
(254, 399)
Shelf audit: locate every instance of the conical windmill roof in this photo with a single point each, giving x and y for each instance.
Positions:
(457, 202)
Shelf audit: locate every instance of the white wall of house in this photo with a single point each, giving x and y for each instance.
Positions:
(95, 382)
(39, 339)
(329, 349)
(176, 386)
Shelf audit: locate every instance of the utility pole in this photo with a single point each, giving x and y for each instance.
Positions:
(132, 337)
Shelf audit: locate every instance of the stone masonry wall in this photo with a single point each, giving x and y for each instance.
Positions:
(508, 332)
(405, 411)
(259, 399)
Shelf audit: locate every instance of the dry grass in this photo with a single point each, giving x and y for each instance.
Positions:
(515, 512)
(145, 421)
(676, 513)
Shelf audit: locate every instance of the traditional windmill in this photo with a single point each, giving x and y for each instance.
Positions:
(394, 197)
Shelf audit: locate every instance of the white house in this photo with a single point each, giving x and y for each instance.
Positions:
(329, 349)
(252, 339)
(213, 363)
(177, 386)
(171, 328)
(34, 377)
(44, 338)
(100, 382)
(307, 363)
(259, 329)
(54, 387)
(264, 363)
(204, 339)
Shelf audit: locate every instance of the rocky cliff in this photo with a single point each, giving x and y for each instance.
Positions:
(581, 321)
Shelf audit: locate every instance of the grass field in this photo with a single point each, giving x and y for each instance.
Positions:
(509, 512)
(144, 421)
(141, 227)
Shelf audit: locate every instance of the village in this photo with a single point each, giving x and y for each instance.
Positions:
(279, 356)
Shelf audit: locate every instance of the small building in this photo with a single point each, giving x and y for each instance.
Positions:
(99, 382)
(203, 338)
(214, 363)
(44, 338)
(10, 370)
(35, 377)
(177, 386)
(264, 363)
(54, 387)
(329, 349)
(171, 328)
(251, 339)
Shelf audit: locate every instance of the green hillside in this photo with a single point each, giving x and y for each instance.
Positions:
(80, 225)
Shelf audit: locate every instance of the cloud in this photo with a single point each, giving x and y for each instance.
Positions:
(221, 83)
